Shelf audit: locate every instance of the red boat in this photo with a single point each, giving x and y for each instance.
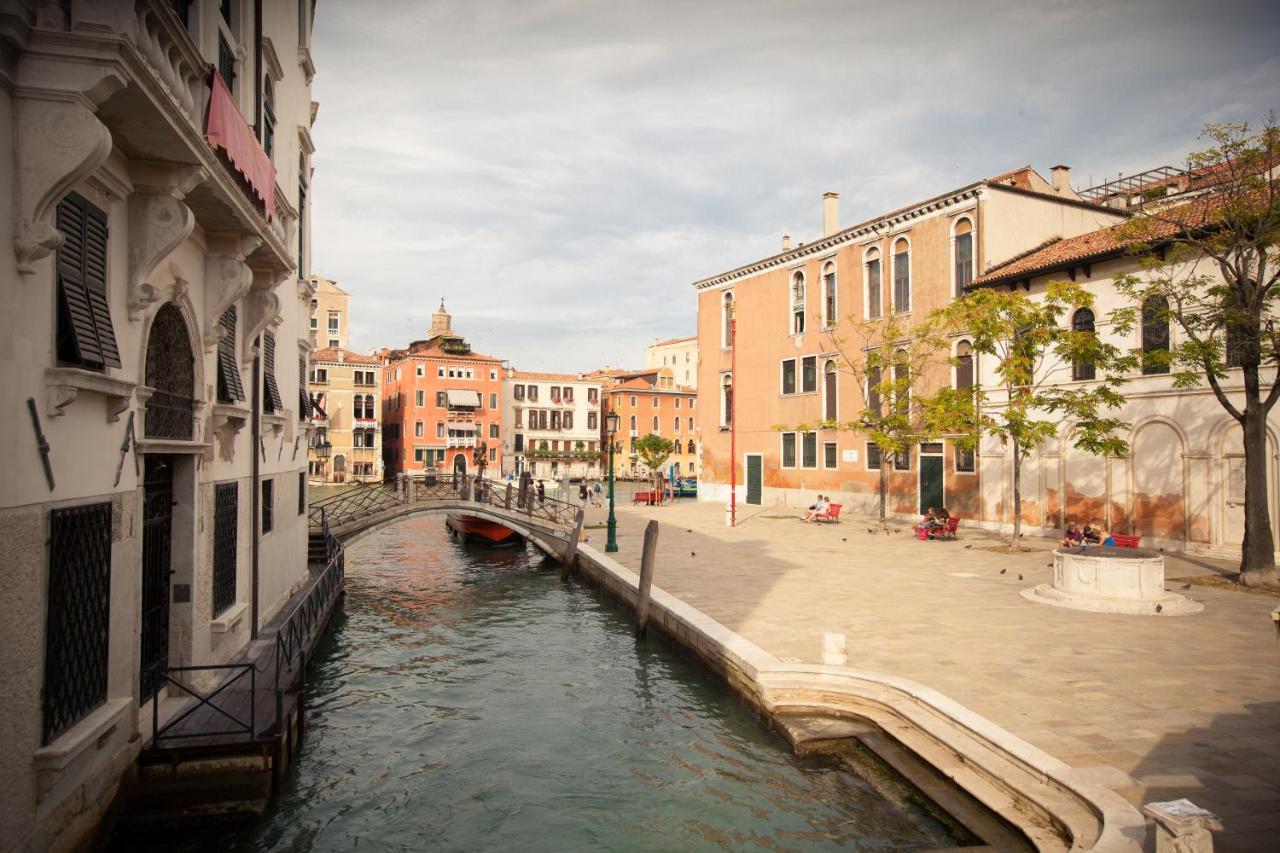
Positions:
(471, 528)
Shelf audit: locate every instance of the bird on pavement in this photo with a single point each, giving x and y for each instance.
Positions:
(1002, 571)
(693, 553)
(1159, 607)
(1019, 577)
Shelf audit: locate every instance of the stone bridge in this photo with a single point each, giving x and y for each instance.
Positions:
(554, 526)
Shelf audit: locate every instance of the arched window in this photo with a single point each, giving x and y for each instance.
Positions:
(901, 275)
(676, 423)
(689, 448)
(170, 374)
(829, 315)
(726, 320)
(1236, 344)
(268, 116)
(1155, 335)
(901, 382)
(871, 272)
(797, 303)
(875, 377)
(677, 446)
(726, 400)
(633, 424)
(829, 397)
(1082, 321)
(964, 365)
(962, 248)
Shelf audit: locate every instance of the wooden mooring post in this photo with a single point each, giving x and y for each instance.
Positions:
(646, 576)
(569, 563)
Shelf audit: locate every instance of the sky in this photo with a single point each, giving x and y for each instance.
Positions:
(560, 172)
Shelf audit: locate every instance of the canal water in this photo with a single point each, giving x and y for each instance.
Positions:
(471, 700)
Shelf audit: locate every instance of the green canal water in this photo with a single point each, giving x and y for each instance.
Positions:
(471, 700)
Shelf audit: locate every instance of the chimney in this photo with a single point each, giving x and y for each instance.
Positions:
(830, 213)
(786, 242)
(1061, 180)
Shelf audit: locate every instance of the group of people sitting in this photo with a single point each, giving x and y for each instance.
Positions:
(1091, 534)
(934, 523)
(819, 507)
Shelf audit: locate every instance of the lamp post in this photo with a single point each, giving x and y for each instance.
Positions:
(611, 426)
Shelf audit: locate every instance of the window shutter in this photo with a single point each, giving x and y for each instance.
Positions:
(86, 334)
(272, 397)
(230, 388)
(304, 401)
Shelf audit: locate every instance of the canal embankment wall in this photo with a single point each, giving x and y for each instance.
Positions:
(1055, 806)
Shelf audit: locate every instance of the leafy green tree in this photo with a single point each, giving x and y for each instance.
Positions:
(1211, 269)
(1032, 356)
(653, 450)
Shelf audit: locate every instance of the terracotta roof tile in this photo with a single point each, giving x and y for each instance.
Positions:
(673, 341)
(330, 354)
(551, 377)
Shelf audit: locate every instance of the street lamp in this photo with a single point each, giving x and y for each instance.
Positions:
(611, 426)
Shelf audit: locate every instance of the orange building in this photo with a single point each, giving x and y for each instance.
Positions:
(793, 308)
(649, 401)
(441, 407)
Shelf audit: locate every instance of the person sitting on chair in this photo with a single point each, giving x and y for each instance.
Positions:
(819, 507)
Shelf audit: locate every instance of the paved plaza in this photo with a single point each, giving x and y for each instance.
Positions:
(1185, 706)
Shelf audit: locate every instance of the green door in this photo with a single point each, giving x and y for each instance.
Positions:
(755, 478)
(931, 494)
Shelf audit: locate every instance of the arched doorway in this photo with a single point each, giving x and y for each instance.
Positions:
(460, 463)
(339, 468)
(170, 376)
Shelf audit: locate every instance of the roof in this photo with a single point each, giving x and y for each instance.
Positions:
(463, 397)
(431, 348)
(319, 280)
(548, 377)
(330, 354)
(638, 384)
(1019, 177)
(670, 341)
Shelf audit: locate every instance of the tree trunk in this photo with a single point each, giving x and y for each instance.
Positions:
(884, 492)
(1257, 552)
(1017, 496)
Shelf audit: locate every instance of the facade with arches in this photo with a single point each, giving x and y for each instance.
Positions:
(346, 417)
(153, 270)
(1181, 484)
(790, 400)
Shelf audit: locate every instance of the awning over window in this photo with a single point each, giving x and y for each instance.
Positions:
(469, 399)
(226, 128)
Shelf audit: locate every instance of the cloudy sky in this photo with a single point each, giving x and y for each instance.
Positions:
(560, 172)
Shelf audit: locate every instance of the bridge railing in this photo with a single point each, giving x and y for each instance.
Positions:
(355, 504)
(553, 511)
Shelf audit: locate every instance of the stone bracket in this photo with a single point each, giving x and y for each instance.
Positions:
(227, 279)
(262, 308)
(64, 384)
(158, 223)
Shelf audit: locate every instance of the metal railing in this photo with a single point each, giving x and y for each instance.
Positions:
(293, 638)
(169, 731)
(355, 504)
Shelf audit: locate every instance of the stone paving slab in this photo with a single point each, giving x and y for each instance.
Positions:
(1185, 706)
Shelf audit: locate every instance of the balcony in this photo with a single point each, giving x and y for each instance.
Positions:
(461, 441)
(364, 423)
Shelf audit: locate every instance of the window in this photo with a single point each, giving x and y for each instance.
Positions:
(493, 430)
(677, 447)
(901, 276)
(493, 454)
(302, 217)
(797, 303)
(533, 392)
(654, 401)
(268, 504)
(568, 394)
(439, 371)
(519, 417)
(809, 450)
(419, 398)
(829, 390)
(789, 376)
(230, 387)
(593, 395)
(77, 616)
(493, 375)
(676, 422)
(419, 430)
(442, 400)
(965, 462)
(304, 399)
(226, 64)
(568, 420)
(1235, 349)
(593, 420)
(962, 247)
(873, 456)
(633, 400)
(726, 321)
(1155, 335)
(726, 400)
(519, 445)
(493, 401)
(555, 419)
(271, 392)
(542, 419)
(901, 383)
(655, 424)
(439, 429)
(809, 374)
(689, 448)
(555, 393)
(830, 456)
(788, 450)
(517, 391)
(633, 424)
(333, 343)
(1082, 323)
(874, 380)
(902, 460)
(874, 300)
(268, 116)
(315, 324)
(333, 323)
(964, 365)
(85, 337)
(829, 316)
(690, 422)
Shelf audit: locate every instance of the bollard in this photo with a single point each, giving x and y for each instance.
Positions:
(834, 650)
(1182, 826)
(646, 577)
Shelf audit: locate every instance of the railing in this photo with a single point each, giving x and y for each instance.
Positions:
(204, 700)
(293, 638)
(355, 504)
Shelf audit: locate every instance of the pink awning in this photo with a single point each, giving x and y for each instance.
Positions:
(225, 128)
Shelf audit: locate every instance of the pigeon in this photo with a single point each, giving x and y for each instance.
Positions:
(1185, 586)
(1159, 608)
(842, 539)
(1050, 565)
(968, 546)
(688, 531)
(1002, 571)
(693, 553)
(1019, 577)
(871, 530)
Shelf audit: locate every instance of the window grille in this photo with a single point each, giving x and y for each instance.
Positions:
(84, 334)
(78, 616)
(226, 64)
(1082, 322)
(788, 450)
(873, 456)
(226, 504)
(268, 505)
(302, 490)
(304, 401)
(230, 387)
(1155, 334)
(809, 450)
(170, 374)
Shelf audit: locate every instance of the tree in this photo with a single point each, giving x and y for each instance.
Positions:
(892, 367)
(1211, 267)
(653, 450)
(1033, 352)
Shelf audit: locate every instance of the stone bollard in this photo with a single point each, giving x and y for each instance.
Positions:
(1182, 826)
(834, 651)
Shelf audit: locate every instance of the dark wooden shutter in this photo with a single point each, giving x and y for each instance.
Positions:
(271, 399)
(230, 388)
(304, 399)
(85, 334)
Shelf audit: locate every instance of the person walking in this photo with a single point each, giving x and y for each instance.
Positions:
(542, 493)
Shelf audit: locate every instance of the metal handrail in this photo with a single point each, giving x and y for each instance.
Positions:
(241, 727)
(291, 639)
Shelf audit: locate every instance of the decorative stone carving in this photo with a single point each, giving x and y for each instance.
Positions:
(64, 384)
(262, 308)
(59, 142)
(306, 290)
(158, 223)
(227, 279)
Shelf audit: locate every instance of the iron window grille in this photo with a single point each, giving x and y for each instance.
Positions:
(226, 64)
(809, 450)
(1155, 334)
(965, 461)
(268, 505)
(873, 456)
(271, 399)
(230, 388)
(1082, 323)
(302, 492)
(226, 505)
(77, 621)
(170, 373)
(84, 336)
(304, 399)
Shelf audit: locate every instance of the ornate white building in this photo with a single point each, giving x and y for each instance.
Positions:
(152, 373)
(552, 424)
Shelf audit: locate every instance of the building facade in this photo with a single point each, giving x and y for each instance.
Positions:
(552, 425)
(330, 315)
(153, 275)
(771, 333)
(650, 402)
(441, 406)
(679, 354)
(346, 400)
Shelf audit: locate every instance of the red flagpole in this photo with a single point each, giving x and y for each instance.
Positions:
(733, 417)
